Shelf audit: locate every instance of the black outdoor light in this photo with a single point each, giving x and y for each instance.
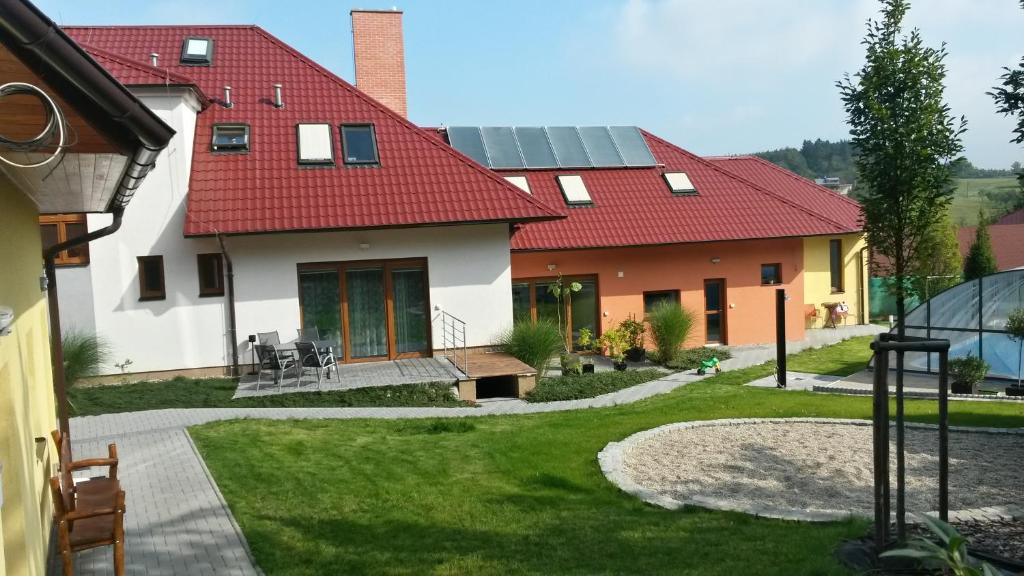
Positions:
(252, 345)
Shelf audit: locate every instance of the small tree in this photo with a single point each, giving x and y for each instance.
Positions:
(980, 260)
(905, 137)
(563, 297)
(939, 264)
(1015, 326)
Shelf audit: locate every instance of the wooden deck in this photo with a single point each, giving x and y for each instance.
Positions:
(483, 363)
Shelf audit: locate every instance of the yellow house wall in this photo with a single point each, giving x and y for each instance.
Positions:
(27, 410)
(818, 278)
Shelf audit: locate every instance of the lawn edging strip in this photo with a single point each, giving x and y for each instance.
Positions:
(612, 462)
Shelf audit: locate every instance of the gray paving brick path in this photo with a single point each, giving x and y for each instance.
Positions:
(177, 522)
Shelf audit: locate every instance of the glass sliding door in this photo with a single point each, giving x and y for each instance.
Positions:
(583, 310)
(320, 304)
(531, 300)
(546, 303)
(411, 314)
(521, 309)
(366, 312)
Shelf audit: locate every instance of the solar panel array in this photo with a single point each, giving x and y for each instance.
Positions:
(553, 147)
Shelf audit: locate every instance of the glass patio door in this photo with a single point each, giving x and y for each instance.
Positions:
(409, 310)
(366, 312)
(320, 304)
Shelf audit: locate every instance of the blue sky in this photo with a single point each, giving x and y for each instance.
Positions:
(714, 76)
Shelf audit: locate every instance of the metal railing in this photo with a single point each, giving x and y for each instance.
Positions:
(453, 341)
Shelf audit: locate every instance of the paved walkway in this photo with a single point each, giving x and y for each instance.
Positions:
(177, 522)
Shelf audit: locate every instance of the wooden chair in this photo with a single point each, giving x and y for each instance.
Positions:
(87, 527)
(94, 492)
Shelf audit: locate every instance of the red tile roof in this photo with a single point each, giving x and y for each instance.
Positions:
(1007, 243)
(634, 206)
(420, 181)
(133, 73)
(1012, 218)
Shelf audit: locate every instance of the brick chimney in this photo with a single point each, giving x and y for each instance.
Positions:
(380, 56)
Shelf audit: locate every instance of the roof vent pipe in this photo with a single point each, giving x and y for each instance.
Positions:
(227, 97)
(278, 103)
(154, 58)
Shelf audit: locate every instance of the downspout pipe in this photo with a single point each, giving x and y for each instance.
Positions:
(56, 343)
(229, 270)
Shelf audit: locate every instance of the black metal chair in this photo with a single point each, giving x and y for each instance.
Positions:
(266, 338)
(277, 362)
(310, 357)
(308, 334)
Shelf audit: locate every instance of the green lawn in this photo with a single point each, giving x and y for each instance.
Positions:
(840, 359)
(589, 385)
(217, 392)
(515, 494)
(971, 196)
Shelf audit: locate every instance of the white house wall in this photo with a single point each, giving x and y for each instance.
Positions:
(468, 267)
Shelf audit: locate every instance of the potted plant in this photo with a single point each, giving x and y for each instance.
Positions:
(586, 343)
(571, 364)
(633, 331)
(1015, 327)
(966, 373)
(615, 342)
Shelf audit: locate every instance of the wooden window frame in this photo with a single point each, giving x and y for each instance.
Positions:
(533, 281)
(146, 296)
(840, 286)
(778, 274)
(388, 265)
(61, 221)
(676, 293)
(724, 310)
(205, 291)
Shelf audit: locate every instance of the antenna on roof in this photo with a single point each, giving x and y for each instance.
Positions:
(154, 58)
(227, 97)
(278, 103)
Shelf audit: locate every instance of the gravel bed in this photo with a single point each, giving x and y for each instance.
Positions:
(819, 467)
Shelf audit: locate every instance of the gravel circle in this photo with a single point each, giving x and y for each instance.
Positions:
(809, 469)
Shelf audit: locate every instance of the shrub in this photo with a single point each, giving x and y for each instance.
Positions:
(84, 355)
(616, 342)
(670, 326)
(533, 343)
(691, 358)
(968, 371)
(1015, 324)
(588, 386)
(633, 331)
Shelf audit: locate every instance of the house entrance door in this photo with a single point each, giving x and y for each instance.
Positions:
(714, 311)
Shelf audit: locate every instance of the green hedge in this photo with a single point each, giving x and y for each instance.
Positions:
(589, 385)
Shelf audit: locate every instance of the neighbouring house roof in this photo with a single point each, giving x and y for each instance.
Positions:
(636, 207)
(1012, 218)
(134, 73)
(1007, 243)
(107, 107)
(419, 181)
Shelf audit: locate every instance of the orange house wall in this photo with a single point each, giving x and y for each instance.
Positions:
(750, 313)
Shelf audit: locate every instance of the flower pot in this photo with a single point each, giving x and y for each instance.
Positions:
(588, 368)
(961, 388)
(1015, 390)
(636, 354)
(619, 365)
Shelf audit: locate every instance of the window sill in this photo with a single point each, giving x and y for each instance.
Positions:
(211, 295)
(839, 291)
(71, 264)
(152, 298)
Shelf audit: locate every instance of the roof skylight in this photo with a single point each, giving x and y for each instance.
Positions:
(519, 182)
(679, 183)
(230, 138)
(197, 51)
(574, 190)
(315, 144)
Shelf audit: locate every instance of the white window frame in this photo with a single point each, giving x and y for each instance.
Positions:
(319, 144)
(679, 183)
(574, 190)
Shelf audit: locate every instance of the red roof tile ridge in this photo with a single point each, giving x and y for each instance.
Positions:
(413, 127)
(164, 74)
(155, 26)
(793, 175)
(753, 185)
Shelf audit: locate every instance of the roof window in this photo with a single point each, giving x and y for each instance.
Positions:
(519, 182)
(315, 144)
(197, 51)
(230, 138)
(574, 190)
(359, 144)
(679, 183)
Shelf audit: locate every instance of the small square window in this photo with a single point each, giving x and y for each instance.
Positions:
(315, 144)
(679, 183)
(230, 138)
(211, 274)
(652, 299)
(197, 51)
(359, 144)
(771, 274)
(57, 228)
(574, 190)
(151, 278)
(519, 182)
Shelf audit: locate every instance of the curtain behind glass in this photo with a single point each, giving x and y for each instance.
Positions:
(411, 322)
(367, 316)
(321, 304)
